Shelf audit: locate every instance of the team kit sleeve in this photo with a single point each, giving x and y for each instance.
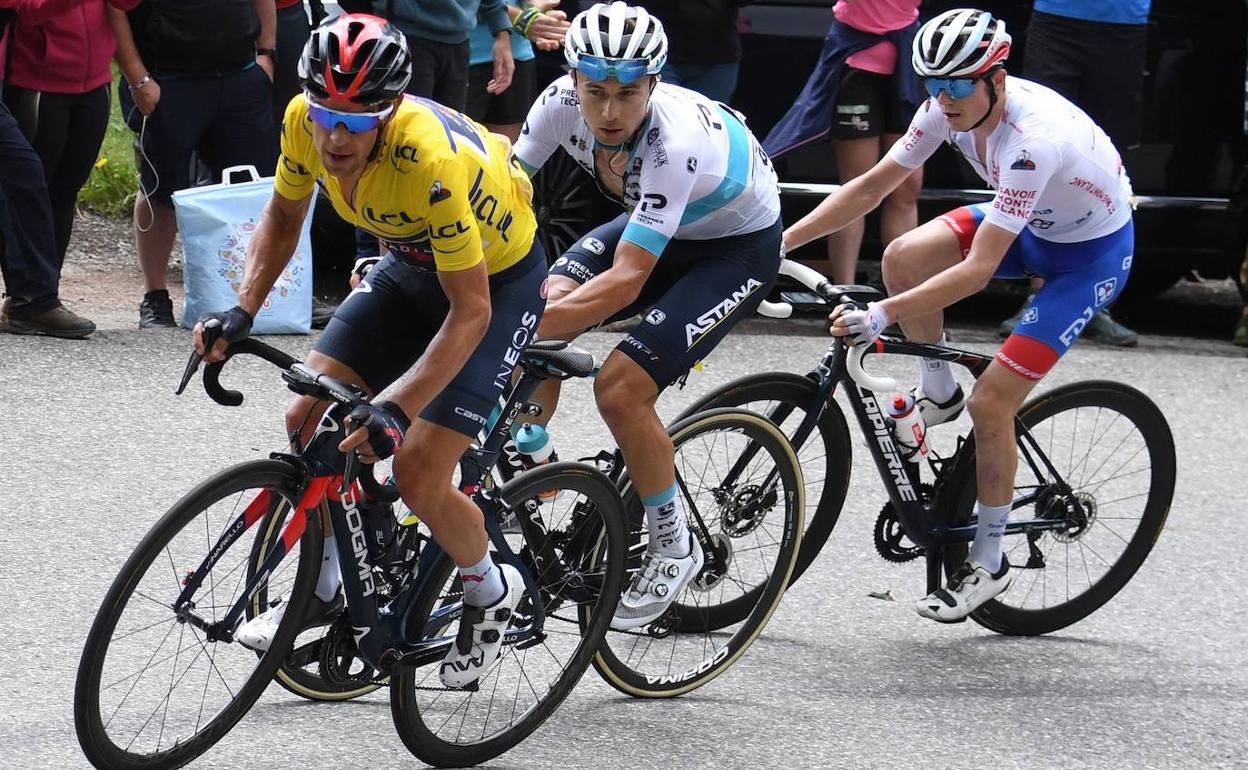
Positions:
(453, 232)
(928, 129)
(542, 130)
(665, 189)
(293, 179)
(1026, 168)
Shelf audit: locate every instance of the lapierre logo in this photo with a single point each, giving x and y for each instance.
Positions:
(1072, 332)
(896, 466)
(359, 546)
(519, 339)
(713, 317)
(1105, 290)
(685, 676)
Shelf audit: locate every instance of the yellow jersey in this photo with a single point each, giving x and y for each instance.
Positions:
(440, 192)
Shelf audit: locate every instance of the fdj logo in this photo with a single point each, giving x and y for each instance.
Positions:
(1105, 290)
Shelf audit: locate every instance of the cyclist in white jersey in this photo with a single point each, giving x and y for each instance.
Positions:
(1062, 211)
(696, 250)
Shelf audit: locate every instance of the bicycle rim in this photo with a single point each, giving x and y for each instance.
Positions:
(756, 533)
(153, 691)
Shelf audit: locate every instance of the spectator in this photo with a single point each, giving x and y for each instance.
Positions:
(196, 80)
(1092, 53)
(28, 256)
(862, 93)
(503, 110)
(292, 32)
(57, 86)
(704, 47)
(437, 34)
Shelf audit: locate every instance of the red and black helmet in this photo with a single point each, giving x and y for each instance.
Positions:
(355, 60)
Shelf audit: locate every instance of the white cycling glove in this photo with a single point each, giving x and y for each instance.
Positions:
(865, 326)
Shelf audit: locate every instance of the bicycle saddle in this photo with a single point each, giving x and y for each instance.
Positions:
(560, 358)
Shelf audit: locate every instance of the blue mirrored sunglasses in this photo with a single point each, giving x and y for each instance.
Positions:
(624, 70)
(354, 122)
(957, 88)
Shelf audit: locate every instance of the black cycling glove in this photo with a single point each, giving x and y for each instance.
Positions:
(232, 325)
(386, 424)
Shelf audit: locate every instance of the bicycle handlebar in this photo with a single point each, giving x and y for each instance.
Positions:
(300, 379)
(833, 295)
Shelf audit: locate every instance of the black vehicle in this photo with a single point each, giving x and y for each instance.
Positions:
(1186, 172)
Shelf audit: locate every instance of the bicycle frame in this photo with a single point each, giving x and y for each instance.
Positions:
(380, 630)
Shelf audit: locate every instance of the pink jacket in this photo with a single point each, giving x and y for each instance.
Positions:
(61, 46)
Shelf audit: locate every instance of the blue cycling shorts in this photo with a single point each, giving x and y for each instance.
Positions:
(1080, 279)
(696, 293)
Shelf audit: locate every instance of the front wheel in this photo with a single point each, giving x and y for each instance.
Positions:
(154, 688)
(741, 488)
(578, 564)
(1112, 446)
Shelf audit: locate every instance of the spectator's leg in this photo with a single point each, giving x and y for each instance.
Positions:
(714, 81)
(81, 134)
(242, 132)
(858, 122)
(30, 275)
(424, 67)
(1055, 54)
(1113, 88)
(293, 31)
(451, 85)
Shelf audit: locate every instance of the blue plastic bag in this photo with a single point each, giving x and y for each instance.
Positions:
(216, 223)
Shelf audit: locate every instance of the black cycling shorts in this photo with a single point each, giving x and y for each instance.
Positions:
(697, 292)
(866, 106)
(386, 323)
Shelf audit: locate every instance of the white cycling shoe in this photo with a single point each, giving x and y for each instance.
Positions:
(939, 413)
(656, 586)
(258, 633)
(967, 590)
(480, 637)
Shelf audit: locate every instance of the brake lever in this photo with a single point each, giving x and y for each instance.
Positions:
(192, 365)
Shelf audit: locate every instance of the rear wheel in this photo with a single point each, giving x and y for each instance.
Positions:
(1114, 449)
(742, 491)
(154, 688)
(578, 564)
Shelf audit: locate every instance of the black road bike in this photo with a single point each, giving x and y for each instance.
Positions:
(162, 677)
(741, 485)
(1095, 479)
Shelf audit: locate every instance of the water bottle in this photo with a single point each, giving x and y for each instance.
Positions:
(908, 425)
(534, 441)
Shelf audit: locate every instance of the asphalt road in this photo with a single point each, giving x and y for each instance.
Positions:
(95, 446)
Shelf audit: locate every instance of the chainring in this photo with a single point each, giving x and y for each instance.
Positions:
(891, 541)
(340, 662)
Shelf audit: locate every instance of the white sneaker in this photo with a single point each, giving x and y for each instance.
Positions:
(967, 590)
(258, 633)
(938, 414)
(480, 637)
(654, 588)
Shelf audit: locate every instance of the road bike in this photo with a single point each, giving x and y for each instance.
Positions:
(162, 677)
(1095, 478)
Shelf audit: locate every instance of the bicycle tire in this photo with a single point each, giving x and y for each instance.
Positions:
(825, 493)
(1001, 615)
(604, 535)
(298, 680)
(706, 656)
(93, 734)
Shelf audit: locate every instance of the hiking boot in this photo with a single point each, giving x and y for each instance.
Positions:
(1105, 330)
(156, 311)
(60, 321)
